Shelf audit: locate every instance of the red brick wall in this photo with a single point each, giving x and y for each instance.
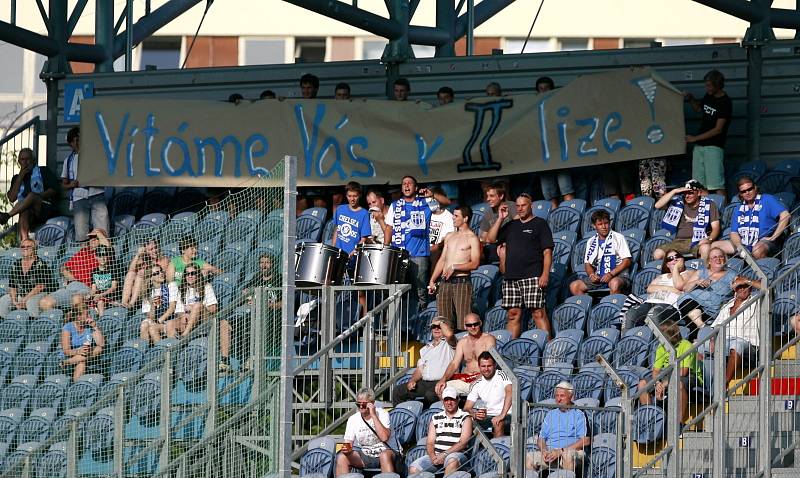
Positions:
(482, 46)
(213, 51)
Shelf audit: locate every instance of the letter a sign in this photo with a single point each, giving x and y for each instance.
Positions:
(74, 93)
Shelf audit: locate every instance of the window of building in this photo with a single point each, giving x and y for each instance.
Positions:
(637, 42)
(534, 45)
(683, 41)
(572, 44)
(162, 52)
(424, 51)
(309, 50)
(262, 51)
(11, 79)
(373, 49)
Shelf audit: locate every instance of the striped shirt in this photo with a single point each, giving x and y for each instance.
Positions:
(448, 429)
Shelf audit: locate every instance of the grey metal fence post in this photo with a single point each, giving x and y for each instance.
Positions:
(624, 436)
(765, 386)
(119, 427)
(327, 308)
(164, 419)
(673, 409)
(257, 339)
(517, 459)
(720, 417)
(212, 372)
(72, 449)
(369, 351)
(285, 417)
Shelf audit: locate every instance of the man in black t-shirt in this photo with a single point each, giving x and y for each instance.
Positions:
(35, 190)
(529, 255)
(709, 143)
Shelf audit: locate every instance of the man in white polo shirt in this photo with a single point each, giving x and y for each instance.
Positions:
(493, 389)
(433, 361)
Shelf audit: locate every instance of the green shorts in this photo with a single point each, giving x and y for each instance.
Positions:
(707, 166)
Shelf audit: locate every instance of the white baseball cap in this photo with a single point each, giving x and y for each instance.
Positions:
(449, 392)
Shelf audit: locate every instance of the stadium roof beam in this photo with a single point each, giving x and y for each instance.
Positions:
(149, 24)
(757, 11)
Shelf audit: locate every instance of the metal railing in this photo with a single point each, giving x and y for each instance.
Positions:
(26, 136)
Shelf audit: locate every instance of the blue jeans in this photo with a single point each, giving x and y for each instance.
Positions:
(550, 190)
(424, 463)
(82, 209)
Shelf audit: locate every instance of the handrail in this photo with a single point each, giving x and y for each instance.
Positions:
(402, 289)
(8, 137)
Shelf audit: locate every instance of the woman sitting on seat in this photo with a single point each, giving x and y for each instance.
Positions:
(161, 305)
(199, 301)
(706, 290)
(146, 256)
(663, 291)
(81, 340)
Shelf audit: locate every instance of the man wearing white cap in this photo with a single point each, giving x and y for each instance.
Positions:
(433, 361)
(449, 433)
(563, 435)
(692, 218)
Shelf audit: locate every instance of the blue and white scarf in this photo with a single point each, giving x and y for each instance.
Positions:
(415, 225)
(36, 181)
(700, 226)
(607, 259)
(749, 225)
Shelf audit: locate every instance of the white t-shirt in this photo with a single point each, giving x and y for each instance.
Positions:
(70, 171)
(433, 360)
(174, 296)
(744, 326)
(360, 435)
(492, 392)
(663, 296)
(615, 244)
(441, 225)
(209, 298)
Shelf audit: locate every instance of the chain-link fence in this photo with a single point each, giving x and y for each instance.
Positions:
(137, 353)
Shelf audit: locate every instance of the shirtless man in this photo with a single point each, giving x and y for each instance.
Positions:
(460, 255)
(467, 351)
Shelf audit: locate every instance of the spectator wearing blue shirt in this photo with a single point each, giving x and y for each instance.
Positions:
(757, 224)
(352, 221)
(410, 218)
(562, 438)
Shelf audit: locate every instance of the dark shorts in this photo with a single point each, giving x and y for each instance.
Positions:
(369, 461)
(522, 294)
(624, 277)
(486, 423)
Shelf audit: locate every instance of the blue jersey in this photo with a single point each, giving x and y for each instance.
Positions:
(758, 222)
(351, 226)
(411, 223)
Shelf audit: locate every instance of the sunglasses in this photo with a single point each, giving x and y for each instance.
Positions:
(744, 191)
(474, 324)
(191, 273)
(742, 287)
(673, 258)
(362, 405)
(156, 273)
(435, 327)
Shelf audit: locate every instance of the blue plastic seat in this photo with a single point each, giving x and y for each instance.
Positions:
(478, 211)
(567, 216)
(12, 464)
(415, 453)
(571, 314)
(50, 235)
(12, 331)
(526, 374)
(190, 372)
(648, 424)
(521, 351)
(483, 461)
(600, 342)
(53, 462)
(83, 392)
(537, 335)
(576, 261)
(544, 385)
(541, 208)
(145, 408)
(18, 393)
(635, 214)
(10, 420)
(129, 357)
(631, 376)
(50, 393)
(483, 279)
(774, 182)
(603, 315)
(784, 306)
(496, 318)
(31, 360)
(319, 459)
(98, 442)
(37, 426)
(43, 329)
(589, 381)
(631, 350)
(603, 460)
(310, 224)
(154, 218)
(424, 419)
(403, 423)
(124, 202)
(157, 201)
(642, 279)
(562, 246)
